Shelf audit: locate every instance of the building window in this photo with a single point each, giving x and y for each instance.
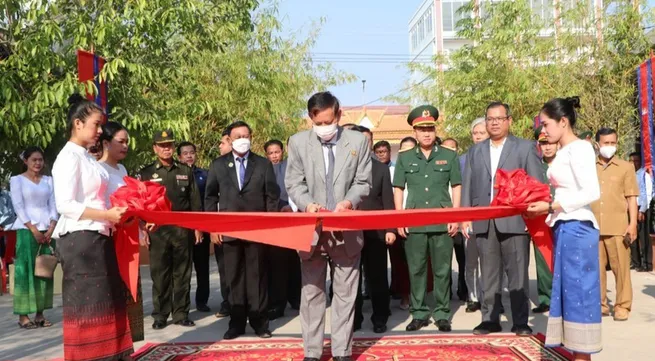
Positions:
(428, 21)
(447, 16)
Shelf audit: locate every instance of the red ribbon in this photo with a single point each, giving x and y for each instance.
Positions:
(517, 189)
(147, 201)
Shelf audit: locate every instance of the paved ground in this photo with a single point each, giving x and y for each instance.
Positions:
(631, 340)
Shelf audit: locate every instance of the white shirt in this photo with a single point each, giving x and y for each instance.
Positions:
(494, 153)
(237, 166)
(649, 190)
(33, 203)
(80, 182)
(392, 170)
(116, 181)
(573, 174)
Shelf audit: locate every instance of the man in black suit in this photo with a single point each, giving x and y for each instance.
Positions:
(374, 253)
(242, 181)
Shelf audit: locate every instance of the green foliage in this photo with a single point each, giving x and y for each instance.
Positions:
(523, 59)
(192, 65)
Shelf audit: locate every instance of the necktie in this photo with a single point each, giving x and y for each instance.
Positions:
(242, 171)
(329, 185)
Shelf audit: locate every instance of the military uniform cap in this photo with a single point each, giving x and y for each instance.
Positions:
(585, 135)
(540, 135)
(423, 116)
(164, 136)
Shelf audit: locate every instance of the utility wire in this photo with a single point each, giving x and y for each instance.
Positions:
(398, 92)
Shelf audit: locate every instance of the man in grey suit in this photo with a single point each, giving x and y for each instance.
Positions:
(328, 168)
(502, 243)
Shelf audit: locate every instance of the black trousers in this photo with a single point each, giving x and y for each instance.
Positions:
(374, 263)
(171, 250)
(641, 251)
(201, 265)
(460, 257)
(225, 287)
(283, 277)
(245, 269)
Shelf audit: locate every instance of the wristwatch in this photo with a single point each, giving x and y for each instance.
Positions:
(550, 208)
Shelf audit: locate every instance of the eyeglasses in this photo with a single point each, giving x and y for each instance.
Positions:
(496, 119)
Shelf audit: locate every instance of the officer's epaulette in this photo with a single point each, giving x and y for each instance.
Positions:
(448, 150)
(147, 166)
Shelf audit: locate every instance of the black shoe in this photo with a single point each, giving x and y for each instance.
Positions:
(462, 296)
(486, 328)
(274, 314)
(185, 322)
(223, 312)
(416, 325)
(444, 325)
(232, 333)
(159, 325)
(542, 308)
(380, 328)
(203, 308)
(641, 269)
(502, 309)
(342, 358)
(473, 307)
(357, 327)
(310, 359)
(265, 333)
(522, 330)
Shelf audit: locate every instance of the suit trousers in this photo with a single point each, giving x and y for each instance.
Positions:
(613, 250)
(201, 265)
(282, 264)
(374, 263)
(245, 269)
(313, 301)
(171, 250)
(509, 253)
(473, 270)
(225, 287)
(460, 256)
(420, 248)
(641, 251)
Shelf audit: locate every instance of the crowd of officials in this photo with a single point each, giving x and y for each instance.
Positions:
(600, 214)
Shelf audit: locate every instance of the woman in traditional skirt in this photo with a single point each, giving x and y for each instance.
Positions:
(115, 144)
(95, 319)
(575, 313)
(32, 195)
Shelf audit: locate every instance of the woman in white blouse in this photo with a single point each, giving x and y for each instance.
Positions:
(575, 312)
(33, 198)
(95, 319)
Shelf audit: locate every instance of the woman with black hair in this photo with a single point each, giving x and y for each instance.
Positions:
(32, 196)
(95, 320)
(575, 311)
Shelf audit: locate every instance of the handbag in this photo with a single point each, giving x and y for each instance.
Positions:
(45, 264)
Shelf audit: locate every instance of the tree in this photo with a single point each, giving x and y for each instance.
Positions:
(192, 66)
(525, 59)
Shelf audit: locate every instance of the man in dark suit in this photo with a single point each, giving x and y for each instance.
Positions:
(374, 252)
(242, 181)
(503, 243)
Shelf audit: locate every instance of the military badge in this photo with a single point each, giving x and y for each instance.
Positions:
(164, 134)
(155, 175)
(230, 164)
(353, 153)
(426, 113)
(182, 177)
(441, 162)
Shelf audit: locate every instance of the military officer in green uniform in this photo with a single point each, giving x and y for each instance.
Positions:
(428, 171)
(171, 247)
(544, 275)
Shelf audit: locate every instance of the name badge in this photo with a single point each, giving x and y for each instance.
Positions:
(158, 180)
(441, 162)
(181, 177)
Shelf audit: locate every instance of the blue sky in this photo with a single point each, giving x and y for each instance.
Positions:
(363, 27)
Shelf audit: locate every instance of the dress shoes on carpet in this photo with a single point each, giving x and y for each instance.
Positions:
(444, 325)
(223, 312)
(274, 314)
(159, 325)
(542, 308)
(522, 330)
(379, 328)
(185, 323)
(232, 333)
(416, 325)
(203, 308)
(265, 333)
(486, 328)
(473, 307)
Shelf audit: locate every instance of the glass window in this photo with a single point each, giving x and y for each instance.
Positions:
(428, 21)
(457, 15)
(447, 16)
(421, 31)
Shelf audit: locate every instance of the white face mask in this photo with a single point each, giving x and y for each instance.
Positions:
(241, 145)
(326, 132)
(607, 151)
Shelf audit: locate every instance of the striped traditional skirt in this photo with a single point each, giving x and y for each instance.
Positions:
(95, 319)
(31, 294)
(575, 314)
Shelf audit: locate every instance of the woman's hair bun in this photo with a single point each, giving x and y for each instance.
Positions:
(574, 101)
(75, 98)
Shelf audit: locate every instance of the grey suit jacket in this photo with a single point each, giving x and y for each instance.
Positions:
(476, 187)
(305, 176)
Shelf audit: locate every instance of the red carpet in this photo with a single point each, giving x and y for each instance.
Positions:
(391, 348)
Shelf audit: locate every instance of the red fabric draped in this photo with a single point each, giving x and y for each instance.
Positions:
(147, 201)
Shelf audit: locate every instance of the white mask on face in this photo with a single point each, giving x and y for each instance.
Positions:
(607, 151)
(241, 145)
(326, 132)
